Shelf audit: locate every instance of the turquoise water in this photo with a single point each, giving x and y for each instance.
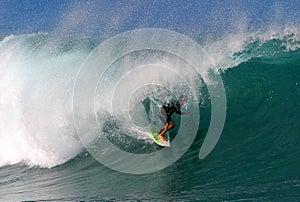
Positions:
(256, 159)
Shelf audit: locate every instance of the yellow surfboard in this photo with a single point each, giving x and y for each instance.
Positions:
(160, 142)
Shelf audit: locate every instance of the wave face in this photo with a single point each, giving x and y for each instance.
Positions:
(257, 156)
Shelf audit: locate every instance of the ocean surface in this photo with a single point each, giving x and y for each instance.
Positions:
(42, 156)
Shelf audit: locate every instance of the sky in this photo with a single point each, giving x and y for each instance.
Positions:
(110, 17)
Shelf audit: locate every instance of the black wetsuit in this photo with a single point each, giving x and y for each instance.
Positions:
(170, 108)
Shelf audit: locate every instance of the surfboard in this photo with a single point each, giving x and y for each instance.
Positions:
(158, 141)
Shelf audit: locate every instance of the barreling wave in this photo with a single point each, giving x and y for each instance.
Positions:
(38, 72)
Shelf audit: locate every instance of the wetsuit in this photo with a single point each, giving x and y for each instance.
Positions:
(170, 108)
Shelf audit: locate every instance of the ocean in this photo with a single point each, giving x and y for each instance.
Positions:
(75, 113)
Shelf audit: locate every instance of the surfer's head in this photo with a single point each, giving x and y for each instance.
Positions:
(182, 100)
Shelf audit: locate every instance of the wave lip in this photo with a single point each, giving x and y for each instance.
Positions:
(230, 50)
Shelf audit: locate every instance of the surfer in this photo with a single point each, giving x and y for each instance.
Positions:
(166, 112)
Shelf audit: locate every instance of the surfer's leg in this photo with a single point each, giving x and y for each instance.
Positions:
(162, 133)
(168, 126)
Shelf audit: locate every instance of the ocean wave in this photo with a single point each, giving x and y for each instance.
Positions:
(38, 72)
